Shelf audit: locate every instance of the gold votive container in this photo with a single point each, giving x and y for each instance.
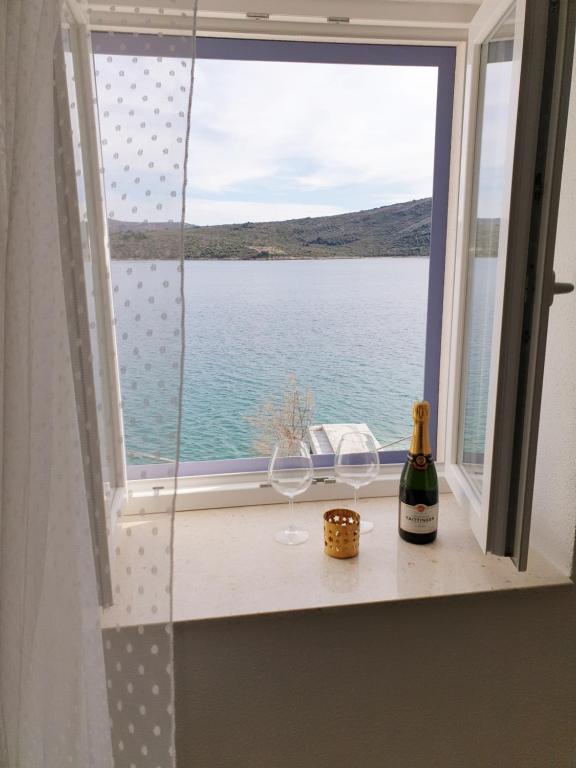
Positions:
(341, 533)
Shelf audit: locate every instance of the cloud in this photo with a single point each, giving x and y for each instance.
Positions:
(267, 139)
(349, 124)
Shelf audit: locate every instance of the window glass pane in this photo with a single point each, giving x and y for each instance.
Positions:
(107, 456)
(307, 246)
(485, 247)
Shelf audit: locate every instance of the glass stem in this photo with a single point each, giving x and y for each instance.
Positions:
(355, 496)
(291, 501)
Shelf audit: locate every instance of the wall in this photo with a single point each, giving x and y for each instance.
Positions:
(555, 484)
(483, 682)
(477, 682)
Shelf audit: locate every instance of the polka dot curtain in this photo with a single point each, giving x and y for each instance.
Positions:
(142, 96)
(143, 99)
(142, 108)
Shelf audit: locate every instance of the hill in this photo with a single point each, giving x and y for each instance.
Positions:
(402, 229)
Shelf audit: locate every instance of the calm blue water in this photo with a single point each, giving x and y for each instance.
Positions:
(353, 331)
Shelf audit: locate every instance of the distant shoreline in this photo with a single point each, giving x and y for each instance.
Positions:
(399, 231)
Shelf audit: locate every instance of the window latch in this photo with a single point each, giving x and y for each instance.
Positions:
(315, 481)
(563, 288)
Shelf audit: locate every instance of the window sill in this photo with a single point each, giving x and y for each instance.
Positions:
(227, 564)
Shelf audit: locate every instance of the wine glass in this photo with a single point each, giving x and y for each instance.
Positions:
(357, 463)
(290, 472)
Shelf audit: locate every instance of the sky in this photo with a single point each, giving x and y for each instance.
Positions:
(269, 141)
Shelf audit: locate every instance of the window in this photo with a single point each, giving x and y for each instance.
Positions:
(515, 122)
(506, 206)
(496, 112)
(95, 276)
(315, 247)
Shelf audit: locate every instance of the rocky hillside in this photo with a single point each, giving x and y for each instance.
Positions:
(392, 230)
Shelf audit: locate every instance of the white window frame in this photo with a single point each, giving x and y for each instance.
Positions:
(95, 204)
(485, 21)
(105, 514)
(242, 488)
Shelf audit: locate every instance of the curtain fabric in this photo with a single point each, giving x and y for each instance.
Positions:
(143, 92)
(52, 681)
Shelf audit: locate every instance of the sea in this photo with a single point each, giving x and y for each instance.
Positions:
(351, 331)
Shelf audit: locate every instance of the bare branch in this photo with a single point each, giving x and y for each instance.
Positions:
(286, 419)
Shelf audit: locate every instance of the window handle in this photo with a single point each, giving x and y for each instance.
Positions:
(558, 288)
(563, 288)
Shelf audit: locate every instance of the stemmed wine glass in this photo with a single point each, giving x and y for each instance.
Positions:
(290, 472)
(357, 463)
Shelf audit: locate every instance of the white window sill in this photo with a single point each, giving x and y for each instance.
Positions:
(228, 564)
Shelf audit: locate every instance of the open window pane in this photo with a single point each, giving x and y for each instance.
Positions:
(110, 453)
(519, 70)
(309, 245)
(486, 249)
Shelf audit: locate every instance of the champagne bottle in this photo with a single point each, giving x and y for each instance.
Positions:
(418, 503)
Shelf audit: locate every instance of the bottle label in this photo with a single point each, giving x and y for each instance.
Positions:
(420, 461)
(418, 518)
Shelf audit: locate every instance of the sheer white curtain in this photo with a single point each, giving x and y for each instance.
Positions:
(143, 91)
(52, 681)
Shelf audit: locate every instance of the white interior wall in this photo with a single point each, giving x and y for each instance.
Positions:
(554, 510)
(473, 682)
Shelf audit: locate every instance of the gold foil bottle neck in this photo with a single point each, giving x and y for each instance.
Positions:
(420, 436)
(421, 411)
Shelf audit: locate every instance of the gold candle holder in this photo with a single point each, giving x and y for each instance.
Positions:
(341, 533)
